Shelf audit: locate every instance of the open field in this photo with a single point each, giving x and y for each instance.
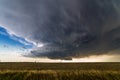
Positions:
(59, 71)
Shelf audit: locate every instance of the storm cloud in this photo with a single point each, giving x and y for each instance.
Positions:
(64, 28)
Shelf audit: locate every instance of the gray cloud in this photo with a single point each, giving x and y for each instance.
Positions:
(67, 28)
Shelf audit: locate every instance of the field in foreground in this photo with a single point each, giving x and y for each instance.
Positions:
(59, 71)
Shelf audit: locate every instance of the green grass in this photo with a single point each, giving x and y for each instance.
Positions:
(59, 71)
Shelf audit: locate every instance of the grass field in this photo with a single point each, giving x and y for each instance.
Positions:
(59, 71)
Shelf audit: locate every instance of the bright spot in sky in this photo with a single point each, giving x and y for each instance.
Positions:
(40, 45)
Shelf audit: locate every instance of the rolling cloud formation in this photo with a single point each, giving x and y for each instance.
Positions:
(64, 28)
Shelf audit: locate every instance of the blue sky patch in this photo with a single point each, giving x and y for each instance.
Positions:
(6, 39)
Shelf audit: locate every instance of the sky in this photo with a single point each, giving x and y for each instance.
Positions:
(60, 30)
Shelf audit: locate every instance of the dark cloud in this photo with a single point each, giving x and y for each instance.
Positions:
(67, 28)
